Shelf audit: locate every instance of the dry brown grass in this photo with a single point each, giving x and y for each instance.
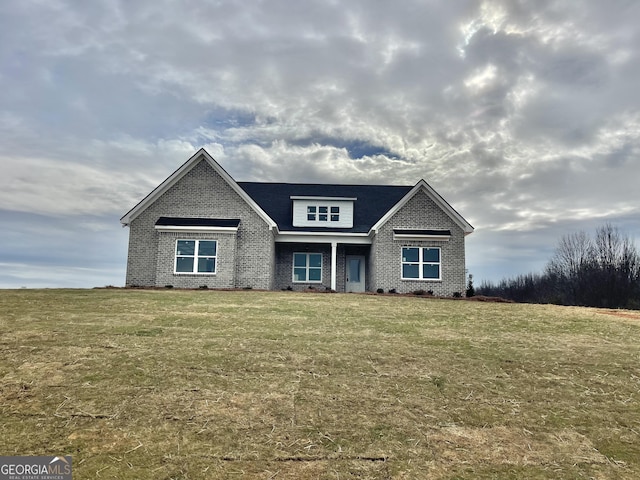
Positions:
(205, 384)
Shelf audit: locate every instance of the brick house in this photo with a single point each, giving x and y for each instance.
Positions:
(201, 227)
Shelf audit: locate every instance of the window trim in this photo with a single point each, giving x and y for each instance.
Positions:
(195, 256)
(421, 263)
(307, 267)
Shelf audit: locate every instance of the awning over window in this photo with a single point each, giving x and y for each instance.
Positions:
(406, 234)
(184, 224)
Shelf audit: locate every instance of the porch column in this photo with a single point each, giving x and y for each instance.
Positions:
(334, 264)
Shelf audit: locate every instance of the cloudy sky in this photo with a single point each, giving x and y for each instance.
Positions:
(524, 115)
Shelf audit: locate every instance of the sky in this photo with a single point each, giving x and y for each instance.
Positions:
(523, 115)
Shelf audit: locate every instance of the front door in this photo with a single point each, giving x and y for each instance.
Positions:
(355, 273)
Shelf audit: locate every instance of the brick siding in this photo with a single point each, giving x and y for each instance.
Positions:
(246, 261)
(422, 213)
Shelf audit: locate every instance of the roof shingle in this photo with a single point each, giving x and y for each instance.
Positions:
(373, 201)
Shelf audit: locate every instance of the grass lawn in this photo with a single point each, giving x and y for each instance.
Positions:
(170, 384)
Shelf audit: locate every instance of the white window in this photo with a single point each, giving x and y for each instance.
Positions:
(323, 213)
(335, 214)
(196, 256)
(311, 213)
(307, 267)
(421, 263)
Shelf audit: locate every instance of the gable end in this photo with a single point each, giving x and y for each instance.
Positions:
(437, 199)
(201, 154)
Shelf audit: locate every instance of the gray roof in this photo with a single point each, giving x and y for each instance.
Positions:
(373, 201)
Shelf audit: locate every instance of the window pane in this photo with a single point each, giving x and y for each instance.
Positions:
(335, 209)
(410, 254)
(207, 248)
(315, 274)
(299, 260)
(410, 271)
(431, 271)
(184, 264)
(430, 254)
(335, 218)
(354, 269)
(323, 209)
(311, 217)
(315, 260)
(206, 265)
(299, 274)
(186, 247)
(322, 218)
(311, 209)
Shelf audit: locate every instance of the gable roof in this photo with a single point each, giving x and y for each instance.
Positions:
(374, 206)
(373, 201)
(441, 202)
(201, 154)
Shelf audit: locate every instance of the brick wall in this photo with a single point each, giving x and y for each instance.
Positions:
(420, 212)
(284, 265)
(225, 261)
(201, 193)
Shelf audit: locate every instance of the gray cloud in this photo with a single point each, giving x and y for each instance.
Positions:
(523, 114)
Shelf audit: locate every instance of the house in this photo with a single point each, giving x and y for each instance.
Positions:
(200, 227)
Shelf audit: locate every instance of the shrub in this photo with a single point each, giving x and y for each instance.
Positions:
(471, 291)
(392, 290)
(168, 286)
(380, 290)
(457, 295)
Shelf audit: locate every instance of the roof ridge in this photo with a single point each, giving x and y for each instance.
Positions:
(325, 184)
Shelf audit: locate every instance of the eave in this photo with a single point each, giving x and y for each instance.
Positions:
(324, 237)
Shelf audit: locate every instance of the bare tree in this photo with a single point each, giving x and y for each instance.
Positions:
(603, 271)
(570, 267)
(573, 254)
(617, 273)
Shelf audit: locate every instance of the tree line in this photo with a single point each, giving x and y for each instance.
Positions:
(602, 270)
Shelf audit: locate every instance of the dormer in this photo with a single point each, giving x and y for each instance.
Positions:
(327, 212)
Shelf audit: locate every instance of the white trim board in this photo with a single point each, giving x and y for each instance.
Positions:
(195, 229)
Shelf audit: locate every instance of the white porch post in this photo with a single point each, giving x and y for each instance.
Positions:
(334, 264)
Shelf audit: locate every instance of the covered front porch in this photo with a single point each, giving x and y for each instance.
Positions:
(338, 264)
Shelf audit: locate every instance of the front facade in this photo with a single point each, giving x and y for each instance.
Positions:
(202, 228)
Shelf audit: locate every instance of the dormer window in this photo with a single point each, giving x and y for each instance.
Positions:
(323, 213)
(329, 212)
